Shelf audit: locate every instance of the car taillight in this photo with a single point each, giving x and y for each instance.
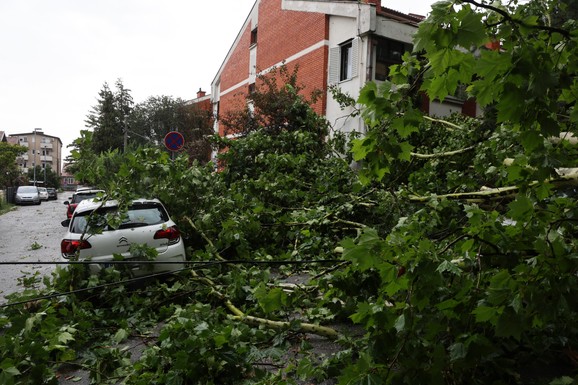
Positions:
(71, 208)
(69, 247)
(171, 233)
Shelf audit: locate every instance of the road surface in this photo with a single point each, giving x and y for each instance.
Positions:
(30, 234)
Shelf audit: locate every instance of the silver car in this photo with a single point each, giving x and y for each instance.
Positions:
(27, 195)
(100, 232)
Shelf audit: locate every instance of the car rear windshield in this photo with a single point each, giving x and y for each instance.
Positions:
(77, 198)
(110, 218)
(27, 189)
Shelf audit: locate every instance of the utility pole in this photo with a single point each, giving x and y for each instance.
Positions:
(34, 153)
(45, 164)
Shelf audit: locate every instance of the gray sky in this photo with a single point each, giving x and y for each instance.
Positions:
(56, 55)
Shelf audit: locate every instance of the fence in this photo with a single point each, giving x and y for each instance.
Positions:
(8, 194)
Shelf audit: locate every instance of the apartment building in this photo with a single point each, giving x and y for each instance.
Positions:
(43, 150)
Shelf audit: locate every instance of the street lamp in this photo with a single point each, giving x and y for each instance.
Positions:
(34, 153)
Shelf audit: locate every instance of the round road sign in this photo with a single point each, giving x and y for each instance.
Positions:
(174, 141)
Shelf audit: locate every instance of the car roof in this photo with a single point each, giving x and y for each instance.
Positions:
(93, 204)
(88, 191)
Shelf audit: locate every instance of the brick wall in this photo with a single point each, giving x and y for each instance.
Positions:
(281, 34)
(236, 69)
(285, 33)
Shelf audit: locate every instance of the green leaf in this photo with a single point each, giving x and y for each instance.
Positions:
(492, 65)
(532, 140)
(11, 370)
(467, 245)
(458, 351)
(273, 300)
(400, 323)
(120, 335)
(406, 150)
(512, 104)
(403, 128)
(509, 325)
(449, 267)
(486, 314)
(521, 208)
(362, 147)
(565, 380)
(471, 32)
(441, 59)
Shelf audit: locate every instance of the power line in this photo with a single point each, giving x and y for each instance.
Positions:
(209, 262)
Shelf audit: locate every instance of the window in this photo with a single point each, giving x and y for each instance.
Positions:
(254, 36)
(110, 218)
(343, 61)
(387, 53)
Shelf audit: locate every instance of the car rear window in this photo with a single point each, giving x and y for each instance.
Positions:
(77, 198)
(110, 218)
(27, 189)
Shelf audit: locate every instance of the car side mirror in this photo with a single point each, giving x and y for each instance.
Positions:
(65, 223)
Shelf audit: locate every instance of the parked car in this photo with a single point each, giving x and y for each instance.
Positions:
(43, 193)
(78, 197)
(52, 193)
(98, 231)
(27, 195)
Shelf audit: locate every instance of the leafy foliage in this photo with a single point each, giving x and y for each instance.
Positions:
(8, 166)
(451, 256)
(52, 179)
(152, 119)
(108, 119)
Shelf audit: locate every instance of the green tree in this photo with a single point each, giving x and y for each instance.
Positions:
(52, 179)
(8, 167)
(108, 119)
(477, 281)
(152, 119)
(282, 121)
(277, 105)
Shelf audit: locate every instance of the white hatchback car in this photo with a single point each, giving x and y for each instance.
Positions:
(43, 193)
(98, 231)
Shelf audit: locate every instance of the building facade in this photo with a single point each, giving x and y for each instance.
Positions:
(43, 150)
(335, 43)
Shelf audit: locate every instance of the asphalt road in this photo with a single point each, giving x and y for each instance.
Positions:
(30, 234)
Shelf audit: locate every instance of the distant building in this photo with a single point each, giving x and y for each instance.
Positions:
(67, 180)
(202, 101)
(43, 150)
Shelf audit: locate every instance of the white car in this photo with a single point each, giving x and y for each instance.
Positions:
(43, 192)
(98, 231)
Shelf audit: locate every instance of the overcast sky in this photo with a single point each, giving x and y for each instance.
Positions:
(55, 55)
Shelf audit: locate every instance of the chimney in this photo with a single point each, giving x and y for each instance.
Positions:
(200, 93)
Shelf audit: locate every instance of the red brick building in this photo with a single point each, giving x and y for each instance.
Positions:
(343, 43)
